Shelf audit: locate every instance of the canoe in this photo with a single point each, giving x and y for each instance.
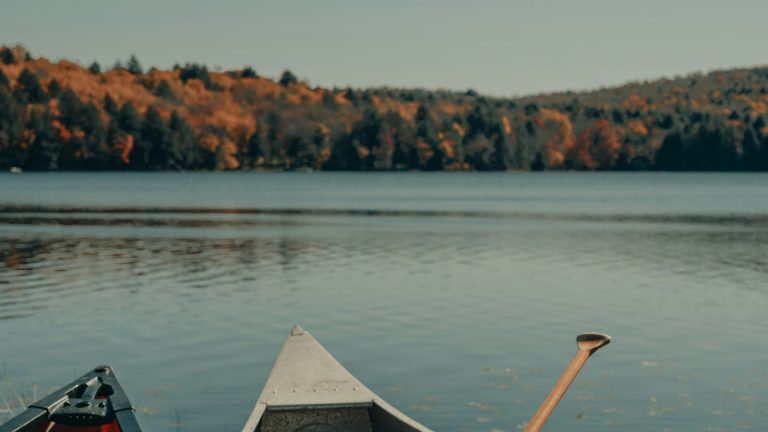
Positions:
(310, 391)
(95, 402)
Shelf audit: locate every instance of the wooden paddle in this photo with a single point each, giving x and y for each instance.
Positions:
(588, 343)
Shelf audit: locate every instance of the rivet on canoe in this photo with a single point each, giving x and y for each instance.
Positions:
(274, 391)
(356, 389)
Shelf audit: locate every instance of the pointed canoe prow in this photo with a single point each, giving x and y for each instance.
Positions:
(307, 386)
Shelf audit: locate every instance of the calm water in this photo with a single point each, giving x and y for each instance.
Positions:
(456, 297)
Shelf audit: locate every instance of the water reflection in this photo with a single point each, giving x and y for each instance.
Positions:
(454, 317)
(32, 267)
(190, 217)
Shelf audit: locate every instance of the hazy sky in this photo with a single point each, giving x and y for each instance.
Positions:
(496, 47)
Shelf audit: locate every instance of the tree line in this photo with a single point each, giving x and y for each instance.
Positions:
(701, 122)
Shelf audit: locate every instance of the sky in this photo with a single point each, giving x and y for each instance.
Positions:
(499, 48)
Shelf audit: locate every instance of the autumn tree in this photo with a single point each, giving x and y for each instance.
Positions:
(197, 71)
(597, 147)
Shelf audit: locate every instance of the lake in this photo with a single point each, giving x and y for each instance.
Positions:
(457, 297)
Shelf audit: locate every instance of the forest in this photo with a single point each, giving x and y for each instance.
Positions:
(66, 116)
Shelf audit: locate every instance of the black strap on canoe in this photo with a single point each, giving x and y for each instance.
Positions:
(95, 398)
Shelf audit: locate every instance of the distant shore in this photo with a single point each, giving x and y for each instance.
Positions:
(64, 116)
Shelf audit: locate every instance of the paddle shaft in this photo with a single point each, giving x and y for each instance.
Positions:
(557, 392)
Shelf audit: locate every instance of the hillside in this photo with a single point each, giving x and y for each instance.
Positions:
(68, 117)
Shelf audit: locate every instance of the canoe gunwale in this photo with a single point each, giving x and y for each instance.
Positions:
(352, 405)
(100, 382)
(305, 377)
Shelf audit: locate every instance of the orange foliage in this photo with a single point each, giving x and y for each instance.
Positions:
(561, 140)
(459, 130)
(452, 109)
(27, 138)
(226, 156)
(635, 102)
(123, 148)
(424, 151)
(325, 154)
(448, 147)
(53, 107)
(597, 147)
(506, 125)
(64, 134)
(224, 116)
(209, 142)
(363, 151)
(638, 128)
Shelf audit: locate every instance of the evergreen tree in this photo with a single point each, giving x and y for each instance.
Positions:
(133, 65)
(288, 78)
(7, 57)
(164, 91)
(110, 106)
(70, 109)
(183, 139)
(44, 151)
(95, 137)
(86, 148)
(669, 157)
(248, 72)
(11, 127)
(298, 150)
(54, 88)
(403, 136)
(254, 148)
(500, 159)
(95, 68)
(29, 84)
(154, 149)
(538, 163)
(754, 156)
(425, 125)
(479, 120)
(4, 82)
(274, 147)
(427, 153)
(128, 119)
(710, 150)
